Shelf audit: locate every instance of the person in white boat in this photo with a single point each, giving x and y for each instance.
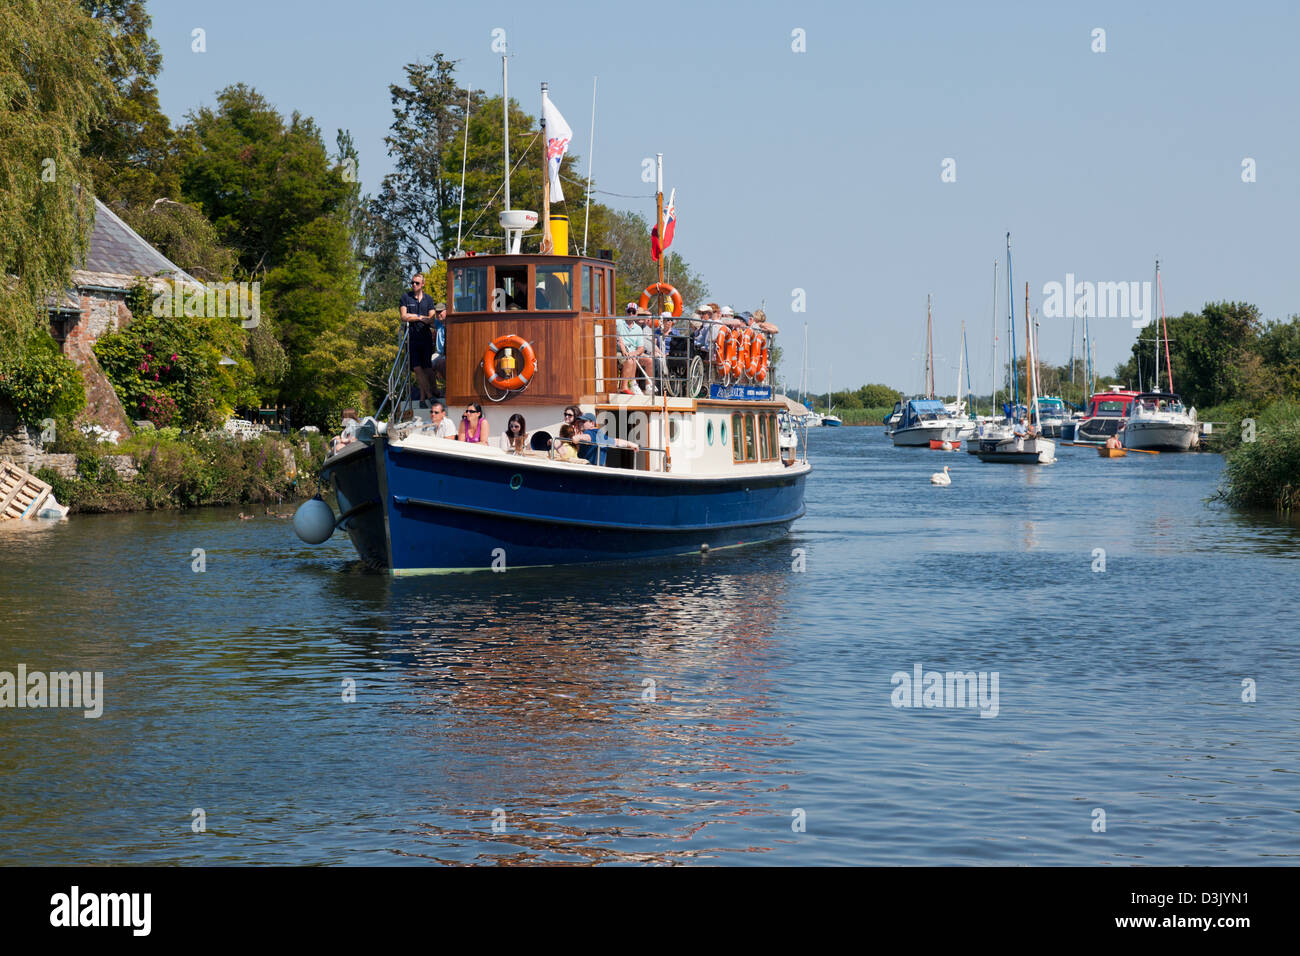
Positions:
(439, 423)
(1020, 431)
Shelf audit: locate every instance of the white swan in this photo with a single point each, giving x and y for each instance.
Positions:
(941, 477)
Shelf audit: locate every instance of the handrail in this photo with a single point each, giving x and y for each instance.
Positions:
(398, 394)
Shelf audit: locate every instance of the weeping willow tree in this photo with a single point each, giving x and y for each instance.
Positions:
(53, 89)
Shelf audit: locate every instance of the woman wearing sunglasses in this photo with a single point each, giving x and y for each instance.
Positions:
(473, 428)
(515, 438)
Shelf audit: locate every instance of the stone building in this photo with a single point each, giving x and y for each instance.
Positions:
(116, 260)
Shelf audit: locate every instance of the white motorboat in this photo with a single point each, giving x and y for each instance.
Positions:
(923, 420)
(1157, 421)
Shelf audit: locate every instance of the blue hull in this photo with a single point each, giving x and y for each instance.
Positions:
(430, 512)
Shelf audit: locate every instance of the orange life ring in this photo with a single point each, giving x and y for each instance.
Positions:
(746, 349)
(720, 350)
(757, 355)
(733, 353)
(661, 288)
(521, 378)
(760, 376)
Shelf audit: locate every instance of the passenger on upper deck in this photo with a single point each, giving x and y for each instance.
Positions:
(632, 350)
(438, 364)
(416, 309)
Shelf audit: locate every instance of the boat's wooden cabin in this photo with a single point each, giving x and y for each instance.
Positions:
(563, 305)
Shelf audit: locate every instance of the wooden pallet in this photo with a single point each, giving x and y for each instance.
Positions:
(21, 494)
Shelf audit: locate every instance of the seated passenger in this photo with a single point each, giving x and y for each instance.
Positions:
(473, 428)
(599, 438)
(515, 438)
(439, 423)
(563, 446)
(348, 434)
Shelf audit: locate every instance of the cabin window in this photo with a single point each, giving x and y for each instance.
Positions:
(774, 446)
(588, 293)
(708, 431)
(764, 442)
(751, 442)
(555, 288)
(469, 289)
(737, 437)
(511, 289)
(723, 437)
(597, 297)
(609, 292)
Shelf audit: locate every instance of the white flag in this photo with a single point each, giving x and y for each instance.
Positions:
(558, 135)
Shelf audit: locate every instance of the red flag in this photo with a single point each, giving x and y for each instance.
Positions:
(670, 221)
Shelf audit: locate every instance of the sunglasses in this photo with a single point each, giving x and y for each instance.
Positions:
(470, 411)
(568, 414)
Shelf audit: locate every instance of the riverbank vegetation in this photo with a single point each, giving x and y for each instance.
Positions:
(164, 469)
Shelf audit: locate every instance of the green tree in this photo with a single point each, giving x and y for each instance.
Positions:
(183, 234)
(257, 178)
(49, 102)
(419, 198)
(129, 152)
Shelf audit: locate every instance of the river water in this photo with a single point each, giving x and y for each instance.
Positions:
(736, 707)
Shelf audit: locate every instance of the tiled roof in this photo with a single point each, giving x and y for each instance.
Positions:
(116, 249)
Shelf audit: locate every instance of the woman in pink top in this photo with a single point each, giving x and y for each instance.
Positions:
(473, 428)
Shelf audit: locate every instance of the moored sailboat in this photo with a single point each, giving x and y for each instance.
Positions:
(1158, 421)
(1026, 445)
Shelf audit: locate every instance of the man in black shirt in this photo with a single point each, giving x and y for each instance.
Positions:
(417, 309)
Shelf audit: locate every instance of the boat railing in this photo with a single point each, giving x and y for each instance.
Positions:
(681, 365)
(397, 397)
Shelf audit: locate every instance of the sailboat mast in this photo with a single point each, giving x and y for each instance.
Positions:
(547, 245)
(1011, 328)
(960, 360)
(929, 349)
(1168, 364)
(1029, 358)
(993, 345)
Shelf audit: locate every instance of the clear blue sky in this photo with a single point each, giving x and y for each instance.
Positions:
(821, 170)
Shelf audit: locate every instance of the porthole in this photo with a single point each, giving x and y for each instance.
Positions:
(708, 431)
(516, 482)
(724, 431)
(672, 429)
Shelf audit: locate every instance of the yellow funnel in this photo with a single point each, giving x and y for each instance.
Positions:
(560, 235)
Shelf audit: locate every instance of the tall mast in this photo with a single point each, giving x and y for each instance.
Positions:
(929, 348)
(505, 119)
(547, 245)
(1029, 357)
(993, 345)
(1168, 365)
(1011, 328)
(1157, 335)
(960, 359)
(591, 154)
(659, 211)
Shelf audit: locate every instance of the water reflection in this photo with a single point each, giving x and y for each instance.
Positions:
(642, 700)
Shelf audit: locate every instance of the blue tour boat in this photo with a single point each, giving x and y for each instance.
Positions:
(693, 459)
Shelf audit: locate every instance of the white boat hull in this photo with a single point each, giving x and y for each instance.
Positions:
(944, 430)
(1156, 435)
(1029, 451)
